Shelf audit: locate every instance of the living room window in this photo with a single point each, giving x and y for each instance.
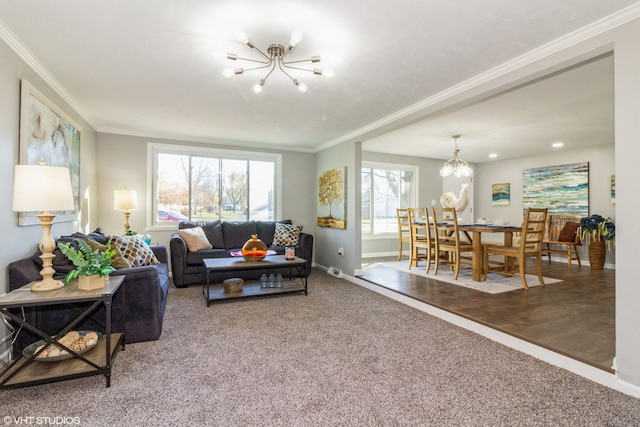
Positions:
(206, 185)
(386, 187)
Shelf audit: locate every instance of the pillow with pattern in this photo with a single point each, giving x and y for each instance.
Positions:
(119, 262)
(134, 249)
(286, 235)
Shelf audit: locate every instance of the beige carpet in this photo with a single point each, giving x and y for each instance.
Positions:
(494, 284)
(340, 356)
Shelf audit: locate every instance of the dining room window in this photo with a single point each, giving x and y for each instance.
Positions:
(386, 187)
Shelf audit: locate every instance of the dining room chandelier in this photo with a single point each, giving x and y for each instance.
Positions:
(456, 166)
(275, 57)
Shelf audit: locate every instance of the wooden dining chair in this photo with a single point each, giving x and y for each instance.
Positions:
(404, 231)
(529, 245)
(561, 237)
(422, 241)
(450, 245)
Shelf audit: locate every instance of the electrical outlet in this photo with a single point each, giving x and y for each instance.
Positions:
(341, 251)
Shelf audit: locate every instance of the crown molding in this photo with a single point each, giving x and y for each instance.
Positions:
(206, 140)
(16, 45)
(582, 34)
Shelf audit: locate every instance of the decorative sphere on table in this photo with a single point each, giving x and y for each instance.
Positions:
(254, 249)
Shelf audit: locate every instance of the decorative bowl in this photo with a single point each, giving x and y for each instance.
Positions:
(31, 349)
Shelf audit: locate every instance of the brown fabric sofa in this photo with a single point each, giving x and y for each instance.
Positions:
(226, 237)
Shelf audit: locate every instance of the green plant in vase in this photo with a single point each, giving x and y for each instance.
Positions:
(86, 260)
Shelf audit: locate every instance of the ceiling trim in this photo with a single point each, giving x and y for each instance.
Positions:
(605, 24)
(14, 43)
(191, 138)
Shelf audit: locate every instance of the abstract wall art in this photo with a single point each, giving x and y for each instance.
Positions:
(613, 189)
(561, 189)
(48, 134)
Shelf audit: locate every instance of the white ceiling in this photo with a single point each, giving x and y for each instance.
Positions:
(154, 68)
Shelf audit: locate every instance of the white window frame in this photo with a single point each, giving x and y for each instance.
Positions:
(153, 149)
(414, 169)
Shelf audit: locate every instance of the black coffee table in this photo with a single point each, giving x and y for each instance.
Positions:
(297, 281)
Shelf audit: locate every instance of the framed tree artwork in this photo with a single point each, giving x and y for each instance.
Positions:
(331, 199)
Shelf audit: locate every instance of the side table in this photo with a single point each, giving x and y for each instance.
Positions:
(26, 371)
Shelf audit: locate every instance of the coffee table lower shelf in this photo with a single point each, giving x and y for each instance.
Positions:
(250, 289)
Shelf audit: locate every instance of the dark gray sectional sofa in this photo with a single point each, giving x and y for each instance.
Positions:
(145, 290)
(225, 237)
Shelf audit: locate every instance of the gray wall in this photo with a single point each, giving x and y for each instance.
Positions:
(601, 167)
(123, 162)
(18, 242)
(328, 240)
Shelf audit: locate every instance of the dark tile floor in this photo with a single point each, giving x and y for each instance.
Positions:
(575, 317)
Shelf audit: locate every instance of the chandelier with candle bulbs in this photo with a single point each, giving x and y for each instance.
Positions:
(275, 57)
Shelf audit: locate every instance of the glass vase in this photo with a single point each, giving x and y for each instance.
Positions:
(254, 249)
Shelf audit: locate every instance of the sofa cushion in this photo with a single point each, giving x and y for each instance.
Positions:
(61, 264)
(286, 235)
(119, 262)
(134, 249)
(212, 229)
(236, 233)
(267, 229)
(195, 258)
(568, 232)
(195, 238)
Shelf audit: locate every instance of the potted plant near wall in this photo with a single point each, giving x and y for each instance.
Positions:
(92, 266)
(597, 231)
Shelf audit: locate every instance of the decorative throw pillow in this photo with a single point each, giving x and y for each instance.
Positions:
(134, 250)
(568, 232)
(119, 262)
(195, 238)
(286, 235)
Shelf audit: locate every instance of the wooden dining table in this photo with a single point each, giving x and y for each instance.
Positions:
(476, 231)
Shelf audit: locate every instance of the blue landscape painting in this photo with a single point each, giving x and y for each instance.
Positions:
(561, 189)
(500, 194)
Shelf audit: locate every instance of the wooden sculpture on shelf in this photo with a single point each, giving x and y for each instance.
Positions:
(449, 200)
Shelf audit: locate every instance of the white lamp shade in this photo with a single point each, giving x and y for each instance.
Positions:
(38, 188)
(125, 200)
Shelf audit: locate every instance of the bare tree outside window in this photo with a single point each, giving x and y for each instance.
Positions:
(206, 188)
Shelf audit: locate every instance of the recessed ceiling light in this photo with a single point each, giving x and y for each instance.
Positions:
(557, 144)
(493, 155)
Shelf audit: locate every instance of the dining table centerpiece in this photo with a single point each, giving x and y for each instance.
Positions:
(600, 234)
